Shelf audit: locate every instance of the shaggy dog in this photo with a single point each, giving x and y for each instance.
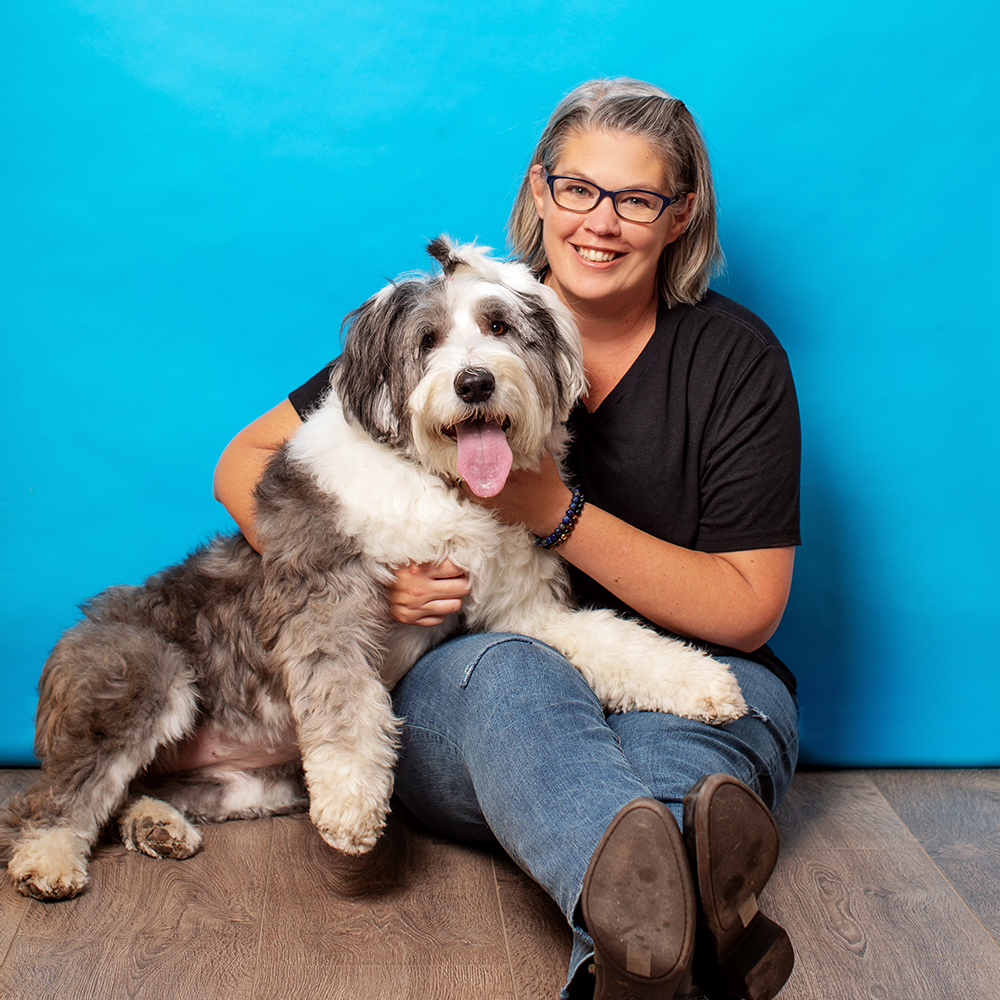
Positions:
(211, 691)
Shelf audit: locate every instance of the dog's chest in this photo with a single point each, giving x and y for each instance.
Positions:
(415, 521)
(396, 511)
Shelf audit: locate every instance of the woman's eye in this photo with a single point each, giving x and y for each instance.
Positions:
(497, 328)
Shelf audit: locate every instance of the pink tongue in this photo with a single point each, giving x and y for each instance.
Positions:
(484, 457)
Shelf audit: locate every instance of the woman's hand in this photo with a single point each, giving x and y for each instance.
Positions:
(535, 498)
(427, 593)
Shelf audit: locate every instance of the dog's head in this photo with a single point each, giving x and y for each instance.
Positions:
(471, 372)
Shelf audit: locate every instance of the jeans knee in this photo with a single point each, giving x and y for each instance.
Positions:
(511, 666)
(506, 655)
(481, 671)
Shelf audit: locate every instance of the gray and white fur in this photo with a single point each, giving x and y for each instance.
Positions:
(238, 685)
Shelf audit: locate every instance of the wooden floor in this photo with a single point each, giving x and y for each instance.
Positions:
(889, 883)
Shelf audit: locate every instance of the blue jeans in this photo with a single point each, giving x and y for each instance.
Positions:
(504, 742)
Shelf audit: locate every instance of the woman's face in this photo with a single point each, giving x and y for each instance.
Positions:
(598, 259)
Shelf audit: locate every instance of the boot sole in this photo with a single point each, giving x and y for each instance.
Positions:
(639, 906)
(733, 843)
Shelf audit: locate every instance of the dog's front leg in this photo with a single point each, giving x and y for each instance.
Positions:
(348, 737)
(630, 666)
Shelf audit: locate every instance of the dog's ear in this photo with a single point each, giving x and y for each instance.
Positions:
(451, 256)
(443, 250)
(573, 382)
(369, 377)
(554, 323)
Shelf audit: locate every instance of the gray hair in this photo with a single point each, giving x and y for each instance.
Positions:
(645, 111)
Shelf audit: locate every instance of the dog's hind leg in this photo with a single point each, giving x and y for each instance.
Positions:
(158, 820)
(165, 806)
(109, 696)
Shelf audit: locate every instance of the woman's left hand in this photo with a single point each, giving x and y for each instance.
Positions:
(535, 498)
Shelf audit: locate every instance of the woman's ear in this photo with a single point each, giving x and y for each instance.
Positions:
(679, 221)
(536, 177)
(685, 216)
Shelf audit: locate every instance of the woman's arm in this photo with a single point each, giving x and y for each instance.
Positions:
(731, 598)
(243, 462)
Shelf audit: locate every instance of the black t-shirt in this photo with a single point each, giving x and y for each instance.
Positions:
(697, 444)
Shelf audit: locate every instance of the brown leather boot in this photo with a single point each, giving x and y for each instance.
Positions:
(732, 841)
(638, 904)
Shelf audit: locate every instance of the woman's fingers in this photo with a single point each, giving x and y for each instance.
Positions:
(427, 593)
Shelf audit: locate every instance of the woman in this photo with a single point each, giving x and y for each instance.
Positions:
(686, 450)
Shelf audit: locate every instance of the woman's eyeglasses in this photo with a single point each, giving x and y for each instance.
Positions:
(633, 205)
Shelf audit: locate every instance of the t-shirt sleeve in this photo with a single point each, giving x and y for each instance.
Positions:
(750, 475)
(310, 394)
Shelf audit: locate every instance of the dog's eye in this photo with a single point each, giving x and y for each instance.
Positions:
(497, 328)
(428, 342)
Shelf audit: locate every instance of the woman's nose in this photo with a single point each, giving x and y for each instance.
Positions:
(603, 218)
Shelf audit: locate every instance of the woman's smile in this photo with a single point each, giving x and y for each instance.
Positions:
(596, 256)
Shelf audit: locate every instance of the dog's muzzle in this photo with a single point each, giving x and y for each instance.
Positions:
(484, 457)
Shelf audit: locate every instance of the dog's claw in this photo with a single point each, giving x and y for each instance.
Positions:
(39, 888)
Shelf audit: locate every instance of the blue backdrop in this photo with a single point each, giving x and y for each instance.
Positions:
(194, 192)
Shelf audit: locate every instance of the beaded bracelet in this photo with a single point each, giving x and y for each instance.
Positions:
(566, 525)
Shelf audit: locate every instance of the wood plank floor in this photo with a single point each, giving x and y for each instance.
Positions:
(889, 882)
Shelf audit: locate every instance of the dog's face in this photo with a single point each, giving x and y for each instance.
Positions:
(469, 372)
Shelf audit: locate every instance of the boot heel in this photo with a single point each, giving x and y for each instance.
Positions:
(733, 843)
(761, 962)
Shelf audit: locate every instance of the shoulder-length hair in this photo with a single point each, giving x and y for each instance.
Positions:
(640, 109)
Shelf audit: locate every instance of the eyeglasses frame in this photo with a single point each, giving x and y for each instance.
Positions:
(602, 194)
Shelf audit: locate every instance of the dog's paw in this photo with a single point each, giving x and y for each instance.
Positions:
(152, 827)
(351, 842)
(714, 710)
(49, 864)
(349, 792)
(676, 679)
(351, 825)
(712, 696)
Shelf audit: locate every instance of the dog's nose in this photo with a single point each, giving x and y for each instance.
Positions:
(474, 385)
